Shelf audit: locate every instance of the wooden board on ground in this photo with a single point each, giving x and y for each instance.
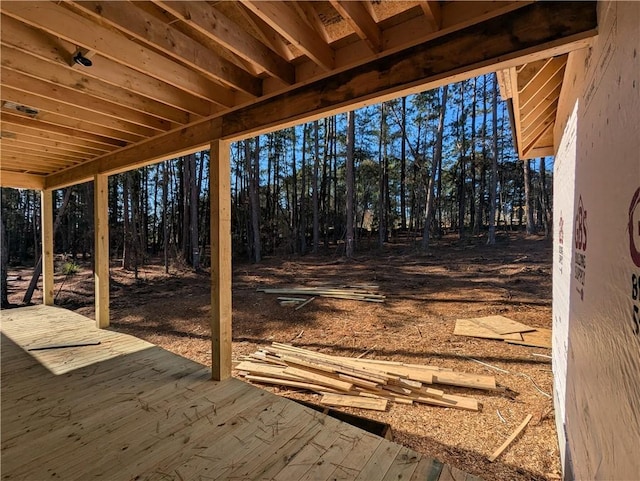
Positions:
(468, 327)
(538, 338)
(502, 325)
(354, 402)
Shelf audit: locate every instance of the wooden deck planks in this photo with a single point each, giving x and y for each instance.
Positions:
(126, 409)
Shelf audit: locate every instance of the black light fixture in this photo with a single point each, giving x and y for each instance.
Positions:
(82, 60)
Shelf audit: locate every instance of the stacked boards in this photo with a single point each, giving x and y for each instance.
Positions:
(361, 383)
(355, 293)
(505, 329)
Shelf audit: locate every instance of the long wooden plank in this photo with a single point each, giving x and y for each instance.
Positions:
(319, 379)
(220, 226)
(354, 402)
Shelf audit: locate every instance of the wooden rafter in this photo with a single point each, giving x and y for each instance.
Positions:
(168, 77)
(361, 21)
(173, 43)
(81, 31)
(291, 26)
(433, 63)
(222, 30)
(433, 13)
(57, 51)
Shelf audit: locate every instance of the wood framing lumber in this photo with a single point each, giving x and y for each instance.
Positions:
(354, 402)
(348, 375)
(288, 383)
(319, 379)
(532, 32)
(101, 249)
(510, 439)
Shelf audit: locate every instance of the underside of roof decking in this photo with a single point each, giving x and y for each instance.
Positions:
(168, 77)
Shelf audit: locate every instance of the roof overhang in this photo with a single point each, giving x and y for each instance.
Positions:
(168, 77)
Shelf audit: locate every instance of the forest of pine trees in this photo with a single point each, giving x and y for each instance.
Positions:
(422, 166)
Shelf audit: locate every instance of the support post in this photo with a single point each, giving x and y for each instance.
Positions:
(101, 249)
(220, 188)
(47, 246)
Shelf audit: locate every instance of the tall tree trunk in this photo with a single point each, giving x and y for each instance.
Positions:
(295, 215)
(472, 205)
(493, 185)
(462, 185)
(544, 199)
(165, 214)
(194, 196)
(4, 266)
(403, 167)
(127, 258)
(351, 137)
(314, 200)
(303, 196)
(437, 158)
(528, 197)
(253, 168)
(382, 211)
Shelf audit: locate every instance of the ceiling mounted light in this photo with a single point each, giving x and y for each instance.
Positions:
(80, 59)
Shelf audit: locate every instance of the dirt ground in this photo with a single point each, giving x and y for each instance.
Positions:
(426, 293)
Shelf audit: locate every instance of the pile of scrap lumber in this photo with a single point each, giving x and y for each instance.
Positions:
(362, 383)
(355, 293)
(504, 329)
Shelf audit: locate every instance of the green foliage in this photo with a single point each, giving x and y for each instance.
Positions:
(70, 268)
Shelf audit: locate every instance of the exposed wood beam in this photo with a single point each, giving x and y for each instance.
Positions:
(530, 33)
(25, 63)
(47, 153)
(47, 139)
(172, 42)
(433, 14)
(72, 134)
(267, 35)
(46, 214)
(287, 23)
(215, 25)
(307, 12)
(101, 249)
(81, 31)
(220, 188)
(68, 96)
(541, 130)
(21, 181)
(117, 129)
(58, 51)
(534, 110)
(528, 73)
(364, 25)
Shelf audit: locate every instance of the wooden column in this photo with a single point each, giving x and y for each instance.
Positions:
(101, 248)
(46, 215)
(220, 186)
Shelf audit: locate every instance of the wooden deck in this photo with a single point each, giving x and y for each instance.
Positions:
(128, 410)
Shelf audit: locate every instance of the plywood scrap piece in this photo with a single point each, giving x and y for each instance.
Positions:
(468, 327)
(510, 439)
(538, 338)
(502, 325)
(354, 402)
